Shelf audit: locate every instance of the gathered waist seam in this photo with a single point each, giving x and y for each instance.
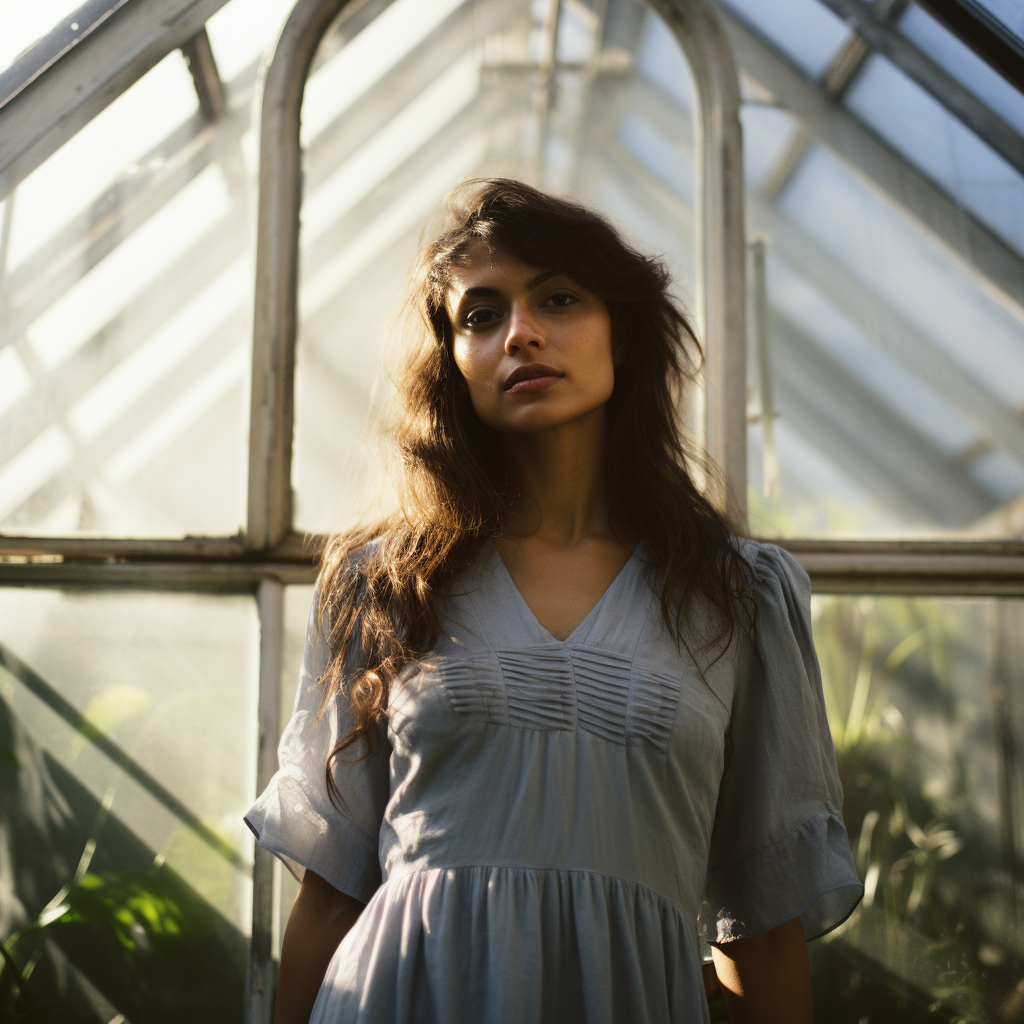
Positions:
(392, 880)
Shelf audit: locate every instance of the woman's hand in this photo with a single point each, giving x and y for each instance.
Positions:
(766, 979)
(320, 918)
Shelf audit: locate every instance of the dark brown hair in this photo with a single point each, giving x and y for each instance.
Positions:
(377, 599)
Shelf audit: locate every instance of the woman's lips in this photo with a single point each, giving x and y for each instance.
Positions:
(535, 383)
(535, 377)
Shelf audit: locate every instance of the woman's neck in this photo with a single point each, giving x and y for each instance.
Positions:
(563, 482)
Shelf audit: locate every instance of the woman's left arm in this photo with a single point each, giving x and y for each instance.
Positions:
(766, 979)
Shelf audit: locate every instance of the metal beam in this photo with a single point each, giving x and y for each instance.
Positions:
(836, 81)
(933, 78)
(202, 66)
(262, 972)
(83, 78)
(884, 452)
(992, 263)
(721, 237)
(223, 565)
(986, 35)
(277, 256)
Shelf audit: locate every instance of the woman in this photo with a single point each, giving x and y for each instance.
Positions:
(554, 705)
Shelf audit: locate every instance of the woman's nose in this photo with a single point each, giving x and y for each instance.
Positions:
(523, 332)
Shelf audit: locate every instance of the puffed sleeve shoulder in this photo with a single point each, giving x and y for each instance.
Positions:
(295, 817)
(779, 848)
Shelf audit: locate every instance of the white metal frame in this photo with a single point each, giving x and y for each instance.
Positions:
(269, 555)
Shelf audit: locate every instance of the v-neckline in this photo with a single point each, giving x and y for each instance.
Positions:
(586, 624)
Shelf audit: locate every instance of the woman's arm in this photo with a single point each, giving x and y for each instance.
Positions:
(320, 918)
(766, 979)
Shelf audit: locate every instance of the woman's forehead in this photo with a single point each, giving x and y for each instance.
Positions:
(485, 267)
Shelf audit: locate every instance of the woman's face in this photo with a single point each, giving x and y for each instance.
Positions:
(534, 347)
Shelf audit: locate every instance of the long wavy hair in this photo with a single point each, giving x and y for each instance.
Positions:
(377, 600)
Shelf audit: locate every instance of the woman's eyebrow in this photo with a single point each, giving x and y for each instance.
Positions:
(486, 292)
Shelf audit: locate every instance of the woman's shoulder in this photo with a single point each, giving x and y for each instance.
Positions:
(774, 567)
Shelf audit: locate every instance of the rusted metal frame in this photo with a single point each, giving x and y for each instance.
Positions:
(262, 971)
(67, 382)
(206, 78)
(84, 78)
(951, 568)
(277, 254)
(721, 238)
(934, 79)
(178, 576)
(986, 35)
(46, 51)
(990, 261)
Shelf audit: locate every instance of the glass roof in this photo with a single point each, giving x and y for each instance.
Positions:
(893, 233)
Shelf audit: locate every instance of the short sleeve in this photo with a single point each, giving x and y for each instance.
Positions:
(295, 817)
(779, 848)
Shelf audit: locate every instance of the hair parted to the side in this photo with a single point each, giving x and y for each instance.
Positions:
(455, 485)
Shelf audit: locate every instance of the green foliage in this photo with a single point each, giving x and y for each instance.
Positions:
(144, 940)
(929, 861)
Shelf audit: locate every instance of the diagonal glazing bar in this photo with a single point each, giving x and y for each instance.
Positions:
(83, 79)
(878, 318)
(950, 92)
(993, 263)
(983, 33)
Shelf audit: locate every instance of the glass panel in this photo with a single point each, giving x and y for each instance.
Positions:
(891, 366)
(924, 701)
(805, 30)
(917, 125)
(127, 722)
(21, 24)
(942, 46)
(126, 269)
(430, 94)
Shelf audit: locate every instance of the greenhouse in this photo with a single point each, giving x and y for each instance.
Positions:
(207, 213)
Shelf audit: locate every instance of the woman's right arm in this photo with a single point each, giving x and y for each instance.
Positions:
(320, 918)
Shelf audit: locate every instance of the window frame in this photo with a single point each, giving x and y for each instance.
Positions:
(268, 554)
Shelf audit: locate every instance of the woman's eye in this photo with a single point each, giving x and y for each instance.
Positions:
(560, 299)
(479, 317)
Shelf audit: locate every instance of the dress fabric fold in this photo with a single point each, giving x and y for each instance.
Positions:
(552, 828)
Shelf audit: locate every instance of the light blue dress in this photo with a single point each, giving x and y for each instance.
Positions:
(549, 819)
